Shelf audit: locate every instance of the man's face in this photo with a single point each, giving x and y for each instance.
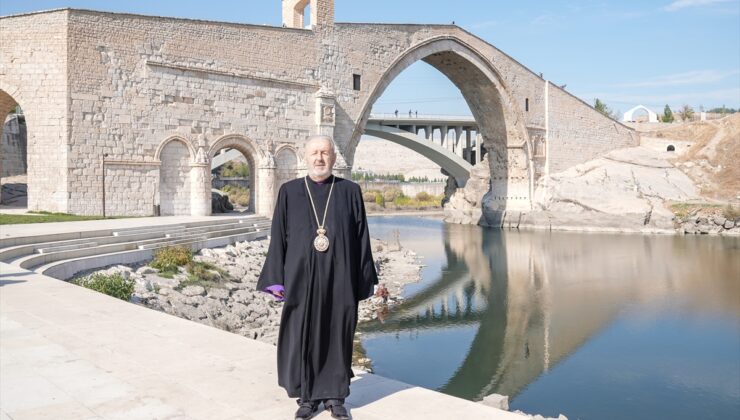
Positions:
(320, 158)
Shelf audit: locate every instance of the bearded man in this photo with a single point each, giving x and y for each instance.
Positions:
(320, 264)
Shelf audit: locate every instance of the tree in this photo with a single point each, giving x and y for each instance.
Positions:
(605, 110)
(667, 115)
(686, 113)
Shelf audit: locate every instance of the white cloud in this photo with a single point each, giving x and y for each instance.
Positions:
(697, 77)
(683, 4)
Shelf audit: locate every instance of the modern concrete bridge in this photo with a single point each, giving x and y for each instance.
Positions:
(452, 142)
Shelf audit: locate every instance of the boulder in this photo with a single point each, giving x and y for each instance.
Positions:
(193, 291)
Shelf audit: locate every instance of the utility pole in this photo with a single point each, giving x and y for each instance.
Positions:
(105, 155)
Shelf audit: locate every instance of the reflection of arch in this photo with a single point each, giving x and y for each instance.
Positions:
(286, 162)
(174, 177)
(629, 115)
(500, 121)
(191, 149)
(248, 148)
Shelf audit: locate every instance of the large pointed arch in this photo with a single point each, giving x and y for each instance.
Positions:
(499, 118)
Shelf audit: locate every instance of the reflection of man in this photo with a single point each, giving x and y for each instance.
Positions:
(320, 263)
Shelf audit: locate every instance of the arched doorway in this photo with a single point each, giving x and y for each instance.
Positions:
(500, 119)
(286, 163)
(13, 153)
(175, 156)
(242, 156)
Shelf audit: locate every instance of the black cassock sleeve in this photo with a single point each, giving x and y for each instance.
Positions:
(368, 277)
(273, 272)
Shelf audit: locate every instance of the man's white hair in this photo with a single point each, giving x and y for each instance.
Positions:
(322, 137)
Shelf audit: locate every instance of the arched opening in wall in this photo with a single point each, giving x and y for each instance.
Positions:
(174, 178)
(233, 176)
(13, 154)
(469, 113)
(497, 118)
(286, 163)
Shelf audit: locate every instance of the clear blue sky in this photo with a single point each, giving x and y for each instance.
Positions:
(650, 52)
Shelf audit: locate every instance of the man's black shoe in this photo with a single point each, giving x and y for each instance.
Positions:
(306, 410)
(337, 409)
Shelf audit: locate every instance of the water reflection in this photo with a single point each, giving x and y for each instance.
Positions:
(507, 307)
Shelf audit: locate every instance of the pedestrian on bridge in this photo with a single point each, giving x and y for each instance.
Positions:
(320, 264)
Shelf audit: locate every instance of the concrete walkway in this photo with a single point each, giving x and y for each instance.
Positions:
(67, 352)
(39, 229)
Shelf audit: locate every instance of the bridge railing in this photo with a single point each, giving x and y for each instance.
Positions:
(405, 116)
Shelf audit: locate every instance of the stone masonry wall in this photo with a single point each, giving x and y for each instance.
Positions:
(33, 73)
(138, 80)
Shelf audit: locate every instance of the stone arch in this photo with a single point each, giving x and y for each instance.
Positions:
(499, 117)
(176, 157)
(10, 97)
(249, 149)
(188, 144)
(286, 164)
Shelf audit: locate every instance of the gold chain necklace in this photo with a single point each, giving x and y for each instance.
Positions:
(321, 242)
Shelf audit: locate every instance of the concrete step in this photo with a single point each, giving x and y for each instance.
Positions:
(65, 269)
(50, 248)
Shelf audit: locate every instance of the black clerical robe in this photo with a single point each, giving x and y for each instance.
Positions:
(322, 289)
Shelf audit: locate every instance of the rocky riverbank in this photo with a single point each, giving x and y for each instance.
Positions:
(229, 301)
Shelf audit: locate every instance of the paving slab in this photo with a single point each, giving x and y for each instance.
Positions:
(67, 352)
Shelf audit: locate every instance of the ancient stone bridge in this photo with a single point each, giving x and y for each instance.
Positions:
(158, 97)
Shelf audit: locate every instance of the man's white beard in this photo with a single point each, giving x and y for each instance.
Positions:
(320, 173)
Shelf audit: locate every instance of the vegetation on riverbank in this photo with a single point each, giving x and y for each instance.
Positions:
(684, 210)
(392, 198)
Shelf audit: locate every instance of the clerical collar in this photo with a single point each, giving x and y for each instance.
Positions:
(328, 179)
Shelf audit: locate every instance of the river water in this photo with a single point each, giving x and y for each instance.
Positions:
(593, 326)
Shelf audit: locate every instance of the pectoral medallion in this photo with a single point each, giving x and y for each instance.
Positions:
(321, 242)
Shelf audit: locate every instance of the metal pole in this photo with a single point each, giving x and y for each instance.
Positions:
(105, 155)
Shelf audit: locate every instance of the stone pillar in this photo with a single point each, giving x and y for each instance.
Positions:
(428, 133)
(443, 136)
(200, 181)
(264, 202)
(200, 189)
(468, 145)
(458, 141)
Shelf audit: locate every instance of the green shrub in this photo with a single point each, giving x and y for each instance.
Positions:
(379, 199)
(423, 196)
(391, 193)
(368, 197)
(237, 195)
(112, 285)
(169, 258)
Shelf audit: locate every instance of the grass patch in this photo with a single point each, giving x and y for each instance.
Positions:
(170, 258)
(48, 217)
(203, 274)
(684, 210)
(112, 285)
(395, 198)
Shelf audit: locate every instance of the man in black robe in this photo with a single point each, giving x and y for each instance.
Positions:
(321, 288)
